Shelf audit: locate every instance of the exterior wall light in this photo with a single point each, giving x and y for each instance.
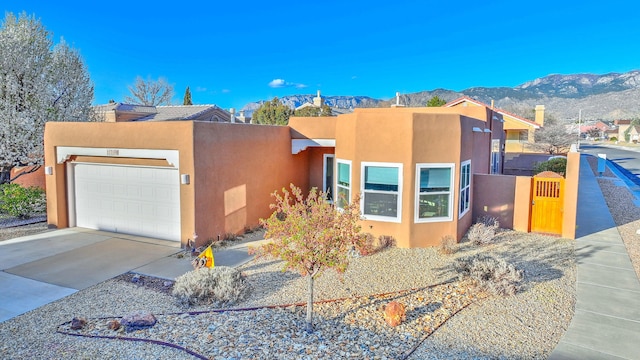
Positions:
(477, 129)
(487, 130)
(184, 179)
(48, 170)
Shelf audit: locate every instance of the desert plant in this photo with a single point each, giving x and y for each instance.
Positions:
(492, 275)
(447, 245)
(484, 231)
(557, 165)
(386, 241)
(218, 286)
(230, 237)
(613, 138)
(22, 202)
(310, 235)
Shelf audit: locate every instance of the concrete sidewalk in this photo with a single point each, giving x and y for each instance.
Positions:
(39, 269)
(606, 322)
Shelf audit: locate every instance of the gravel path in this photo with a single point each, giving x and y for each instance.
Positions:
(525, 326)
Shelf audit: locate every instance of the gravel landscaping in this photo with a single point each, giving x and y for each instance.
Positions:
(446, 318)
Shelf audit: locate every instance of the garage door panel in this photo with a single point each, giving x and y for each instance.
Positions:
(135, 200)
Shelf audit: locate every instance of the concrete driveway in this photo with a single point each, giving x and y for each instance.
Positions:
(42, 268)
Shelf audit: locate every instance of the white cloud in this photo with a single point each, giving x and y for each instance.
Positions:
(200, 89)
(280, 83)
(226, 91)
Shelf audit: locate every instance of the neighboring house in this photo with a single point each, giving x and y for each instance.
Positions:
(622, 125)
(519, 131)
(119, 112)
(634, 133)
(414, 168)
(318, 101)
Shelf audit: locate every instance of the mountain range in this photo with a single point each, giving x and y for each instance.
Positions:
(600, 97)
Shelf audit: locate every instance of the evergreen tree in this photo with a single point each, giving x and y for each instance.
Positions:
(187, 97)
(435, 102)
(272, 112)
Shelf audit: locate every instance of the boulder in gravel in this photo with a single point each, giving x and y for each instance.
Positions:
(138, 320)
(394, 313)
(113, 325)
(78, 323)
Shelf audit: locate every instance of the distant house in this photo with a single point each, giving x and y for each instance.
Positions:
(623, 129)
(519, 131)
(119, 112)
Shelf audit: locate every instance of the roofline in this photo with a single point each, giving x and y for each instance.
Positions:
(498, 110)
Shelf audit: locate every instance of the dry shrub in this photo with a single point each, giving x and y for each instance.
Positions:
(370, 245)
(493, 275)
(218, 286)
(484, 231)
(448, 245)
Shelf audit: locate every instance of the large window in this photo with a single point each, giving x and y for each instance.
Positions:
(381, 191)
(465, 187)
(495, 156)
(343, 183)
(434, 195)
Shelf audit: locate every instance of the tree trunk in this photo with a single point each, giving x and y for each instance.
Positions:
(5, 174)
(309, 325)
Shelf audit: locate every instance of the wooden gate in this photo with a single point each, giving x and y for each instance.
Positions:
(547, 201)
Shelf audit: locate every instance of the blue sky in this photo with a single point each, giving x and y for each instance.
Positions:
(234, 52)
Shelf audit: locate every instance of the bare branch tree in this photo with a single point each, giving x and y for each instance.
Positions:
(150, 92)
(553, 139)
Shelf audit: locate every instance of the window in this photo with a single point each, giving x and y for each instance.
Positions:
(343, 183)
(465, 187)
(381, 190)
(433, 192)
(327, 178)
(495, 156)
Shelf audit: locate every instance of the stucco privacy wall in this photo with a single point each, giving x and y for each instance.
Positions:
(237, 167)
(508, 198)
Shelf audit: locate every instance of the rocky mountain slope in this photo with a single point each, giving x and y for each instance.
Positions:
(600, 97)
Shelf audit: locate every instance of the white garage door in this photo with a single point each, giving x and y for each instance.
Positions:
(128, 199)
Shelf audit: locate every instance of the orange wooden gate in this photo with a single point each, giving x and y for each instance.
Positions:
(547, 200)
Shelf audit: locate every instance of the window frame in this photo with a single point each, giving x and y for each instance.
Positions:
(399, 166)
(464, 189)
(338, 161)
(334, 168)
(451, 192)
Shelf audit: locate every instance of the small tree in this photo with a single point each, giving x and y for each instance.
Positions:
(435, 102)
(150, 92)
(324, 110)
(272, 112)
(187, 97)
(553, 139)
(311, 235)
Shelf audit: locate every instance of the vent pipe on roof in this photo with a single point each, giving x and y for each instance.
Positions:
(232, 111)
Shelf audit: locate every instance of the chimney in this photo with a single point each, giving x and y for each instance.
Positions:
(397, 104)
(241, 117)
(539, 115)
(317, 101)
(232, 111)
(492, 104)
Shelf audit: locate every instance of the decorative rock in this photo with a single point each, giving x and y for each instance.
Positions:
(135, 278)
(167, 284)
(138, 320)
(394, 313)
(78, 323)
(113, 325)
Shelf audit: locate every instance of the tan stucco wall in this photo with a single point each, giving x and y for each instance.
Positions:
(238, 166)
(522, 204)
(318, 127)
(572, 177)
(493, 196)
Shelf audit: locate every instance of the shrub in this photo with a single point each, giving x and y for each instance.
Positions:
(447, 245)
(493, 275)
(484, 231)
(369, 246)
(613, 138)
(22, 202)
(557, 165)
(218, 286)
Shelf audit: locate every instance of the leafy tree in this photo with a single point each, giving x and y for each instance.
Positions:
(150, 92)
(557, 165)
(310, 235)
(435, 102)
(553, 139)
(187, 97)
(272, 112)
(39, 82)
(324, 110)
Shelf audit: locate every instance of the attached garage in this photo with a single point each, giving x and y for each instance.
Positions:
(139, 200)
